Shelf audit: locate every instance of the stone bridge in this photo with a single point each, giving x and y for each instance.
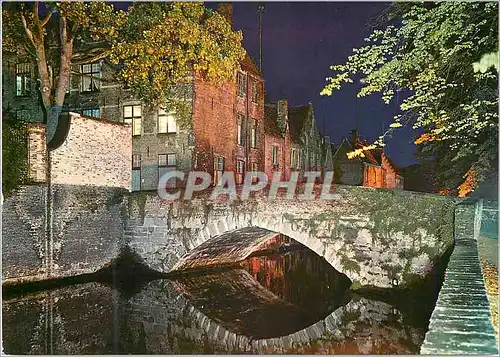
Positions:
(379, 238)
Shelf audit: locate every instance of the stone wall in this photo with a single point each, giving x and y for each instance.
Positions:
(23, 234)
(380, 238)
(95, 152)
(74, 230)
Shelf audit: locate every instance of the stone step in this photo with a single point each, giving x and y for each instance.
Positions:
(460, 325)
(444, 311)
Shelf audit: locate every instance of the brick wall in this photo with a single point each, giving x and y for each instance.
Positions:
(95, 152)
(37, 152)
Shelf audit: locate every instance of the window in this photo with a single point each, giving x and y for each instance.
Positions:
(166, 122)
(219, 165)
(136, 162)
(239, 131)
(254, 167)
(166, 163)
(132, 115)
(23, 79)
(294, 159)
(241, 80)
(366, 174)
(253, 134)
(23, 115)
(275, 156)
(91, 77)
(255, 92)
(94, 112)
(136, 172)
(239, 171)
(166, 160)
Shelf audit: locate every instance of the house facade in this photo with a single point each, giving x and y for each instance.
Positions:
(304, 130)
(282, 152)
(372, 169)
(225, 130)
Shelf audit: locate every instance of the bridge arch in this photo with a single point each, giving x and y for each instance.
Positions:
(377, 238)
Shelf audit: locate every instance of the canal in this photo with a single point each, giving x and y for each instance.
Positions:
(276, 301)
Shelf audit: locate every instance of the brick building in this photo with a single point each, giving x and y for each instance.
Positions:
(282, 152)
(372, 169)
(304, 130)
(225, 131)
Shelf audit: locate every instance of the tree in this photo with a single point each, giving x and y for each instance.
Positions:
(154, 46)
(431, 51)
(57, 35)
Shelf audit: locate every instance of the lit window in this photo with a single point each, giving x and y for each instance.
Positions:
(23, 79)
(136, 162)
(239, 132)
(239, 171)
(242, 84)
(253, 134)
(275, 156)
(166, 122)
(91, 77)
(132, 115)
(166, 160)
(23, 115)
(255, 92)
(94, 112)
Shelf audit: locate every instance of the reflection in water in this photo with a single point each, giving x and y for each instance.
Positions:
(289, 303)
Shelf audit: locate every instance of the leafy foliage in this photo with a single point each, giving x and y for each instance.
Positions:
(154, 46)
(14, 152)
(168, 43)
(428, 51)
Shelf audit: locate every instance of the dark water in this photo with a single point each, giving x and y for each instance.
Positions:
(292, 302)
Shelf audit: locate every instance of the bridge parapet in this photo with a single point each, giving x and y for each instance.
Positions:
(380, 238)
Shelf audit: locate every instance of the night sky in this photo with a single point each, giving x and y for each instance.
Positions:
(300, 43)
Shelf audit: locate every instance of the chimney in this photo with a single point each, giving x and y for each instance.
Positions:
(282, 111)
(354, 137)
(226, 10)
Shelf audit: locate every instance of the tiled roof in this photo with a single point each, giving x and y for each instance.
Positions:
(270, 120)
(297, 116)
(247, 64)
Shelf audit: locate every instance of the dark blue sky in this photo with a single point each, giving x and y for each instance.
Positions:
(301, 40)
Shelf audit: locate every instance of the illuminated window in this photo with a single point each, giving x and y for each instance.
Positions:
(94, 112)
(239, 131)
(275, 156)
(132, 115)
(136, 162)
(91, 77)
(166, 122)
(241, 80)
(239, 171)
(23, 79)
(253, 133)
